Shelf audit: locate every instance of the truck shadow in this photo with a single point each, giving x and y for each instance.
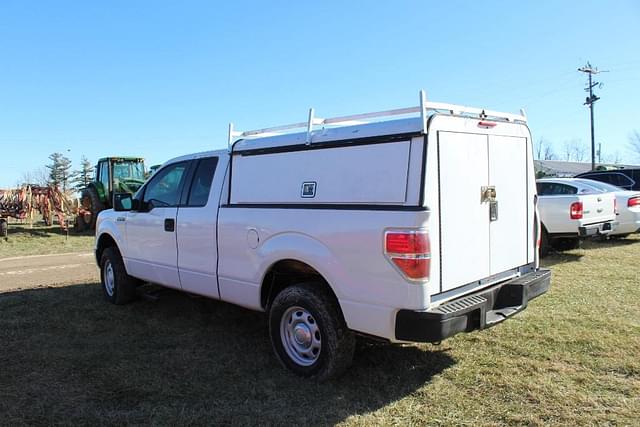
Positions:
(45, 231)
(177, 360)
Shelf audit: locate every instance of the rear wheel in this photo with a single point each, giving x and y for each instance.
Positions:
(566, 243)
(91, 205)
(308, 332)
(4, 227)
(118, 287)
(544, 243)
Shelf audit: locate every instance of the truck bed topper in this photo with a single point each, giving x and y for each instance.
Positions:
(351, 127)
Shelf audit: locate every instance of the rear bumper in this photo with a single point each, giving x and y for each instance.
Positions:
(597, 229)
(479, 310)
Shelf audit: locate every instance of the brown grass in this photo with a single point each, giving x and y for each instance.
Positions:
(571, 358)
(40, 239)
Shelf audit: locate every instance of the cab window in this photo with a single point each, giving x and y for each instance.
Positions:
(201, 184)
(164, 188)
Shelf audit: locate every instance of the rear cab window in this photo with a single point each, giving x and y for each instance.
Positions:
(555, 189)
(201, 183)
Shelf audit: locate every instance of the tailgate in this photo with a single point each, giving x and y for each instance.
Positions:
(486, 190)
(597, 208)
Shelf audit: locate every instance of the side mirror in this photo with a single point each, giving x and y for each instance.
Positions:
(123, 202)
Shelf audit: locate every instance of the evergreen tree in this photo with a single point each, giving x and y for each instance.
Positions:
(83, 176)
(59, 173)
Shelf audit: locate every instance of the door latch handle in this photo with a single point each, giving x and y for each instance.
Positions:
(169, 224)
(488, 193)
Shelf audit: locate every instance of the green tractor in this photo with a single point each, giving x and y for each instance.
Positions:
(113, 175)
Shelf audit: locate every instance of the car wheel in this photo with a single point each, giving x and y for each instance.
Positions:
(308, 332)
(544, 243)
(566, 243)
(118, 287)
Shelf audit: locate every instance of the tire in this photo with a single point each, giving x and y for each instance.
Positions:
(619, 236)
(324, 347)
(118, 287)
(4, 227)
(544, 243)
(566, 243)
(81, 224)
(91, 202)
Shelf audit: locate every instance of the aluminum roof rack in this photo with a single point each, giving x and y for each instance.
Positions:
(423, 109)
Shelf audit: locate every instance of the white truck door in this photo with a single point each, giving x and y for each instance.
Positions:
(508, 231)
(197, 231)
(151, 238)
(464, 220)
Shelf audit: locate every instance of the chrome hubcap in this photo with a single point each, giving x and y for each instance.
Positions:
(109, 279)
(300, 336)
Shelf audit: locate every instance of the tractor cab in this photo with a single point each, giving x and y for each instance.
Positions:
(119, 175)
(113, 175)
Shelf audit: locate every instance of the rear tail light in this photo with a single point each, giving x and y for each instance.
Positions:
(410, 252)
(633, 201)
(575, 211)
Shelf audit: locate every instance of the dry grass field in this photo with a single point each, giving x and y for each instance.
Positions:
(572, 358)
(41, 239)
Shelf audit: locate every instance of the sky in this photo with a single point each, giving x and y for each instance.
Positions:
(159, 79)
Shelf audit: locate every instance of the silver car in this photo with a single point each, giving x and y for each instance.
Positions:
(628, 206)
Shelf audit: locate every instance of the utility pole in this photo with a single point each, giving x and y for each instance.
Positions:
(590, 100)
(599, 152)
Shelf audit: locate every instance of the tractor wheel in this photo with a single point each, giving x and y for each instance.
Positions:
(4, 228)
(81, 224)
(92, 204)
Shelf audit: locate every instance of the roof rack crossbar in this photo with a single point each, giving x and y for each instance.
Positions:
(423, 109)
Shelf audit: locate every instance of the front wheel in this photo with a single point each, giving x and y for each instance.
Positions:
(118, 287)
(308, 332)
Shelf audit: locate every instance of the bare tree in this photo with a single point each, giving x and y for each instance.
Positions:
(574, 151)
(544, 150)
(548, 153)
(39, 177)
(614, 158)
(634, 144)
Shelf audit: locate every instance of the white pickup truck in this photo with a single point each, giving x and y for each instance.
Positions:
(570, 209)
(409, 229)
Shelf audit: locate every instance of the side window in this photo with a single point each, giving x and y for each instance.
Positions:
(164, 188)
(603, 177)
(620, 180)
(201, 184)
(104, 175)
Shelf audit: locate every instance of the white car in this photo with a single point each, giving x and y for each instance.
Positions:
(343, 229)
(571, 209)
(628, 204)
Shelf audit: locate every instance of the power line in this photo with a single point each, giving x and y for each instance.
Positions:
(590, 100)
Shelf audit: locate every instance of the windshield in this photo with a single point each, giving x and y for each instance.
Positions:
(128, 170)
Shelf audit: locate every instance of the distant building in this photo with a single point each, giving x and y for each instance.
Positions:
(559, 168)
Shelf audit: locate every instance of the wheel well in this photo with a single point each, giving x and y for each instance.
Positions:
(288, 272)
(105, 241)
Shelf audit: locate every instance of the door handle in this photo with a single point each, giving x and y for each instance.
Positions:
(169, 224)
